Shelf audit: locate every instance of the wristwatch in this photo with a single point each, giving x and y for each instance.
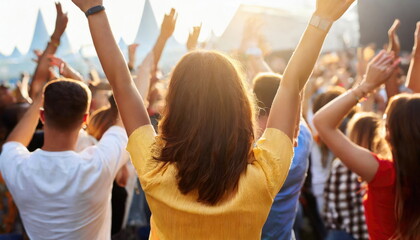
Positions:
(94, 10)
(321, 23)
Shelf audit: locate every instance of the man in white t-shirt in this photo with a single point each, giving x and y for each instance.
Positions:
(62, 194)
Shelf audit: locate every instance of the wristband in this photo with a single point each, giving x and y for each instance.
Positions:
(358, 98)
(320, 23)
(94, 10)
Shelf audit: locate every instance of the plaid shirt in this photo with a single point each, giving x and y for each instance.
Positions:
(344, 202)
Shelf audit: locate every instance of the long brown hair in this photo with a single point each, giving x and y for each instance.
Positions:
(102, 119)
(403, 125)
(207, 125)
(365, 129)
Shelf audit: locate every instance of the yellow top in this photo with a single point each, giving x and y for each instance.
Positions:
(242, 216)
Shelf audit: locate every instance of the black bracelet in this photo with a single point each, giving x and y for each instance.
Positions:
(94, 10)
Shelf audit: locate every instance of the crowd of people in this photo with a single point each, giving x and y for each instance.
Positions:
(230, 146)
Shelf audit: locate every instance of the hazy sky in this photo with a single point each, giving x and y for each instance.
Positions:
(18, 17)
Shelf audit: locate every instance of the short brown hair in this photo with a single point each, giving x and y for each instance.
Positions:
(66, 101)
(265, 89)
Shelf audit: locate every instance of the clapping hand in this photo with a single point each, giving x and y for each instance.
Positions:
(394, 41)
(380, 68)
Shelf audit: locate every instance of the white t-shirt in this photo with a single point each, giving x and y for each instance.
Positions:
(65, 195)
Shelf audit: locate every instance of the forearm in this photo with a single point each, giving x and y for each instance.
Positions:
(109, 54)
(304, 58)
(42, 71)
(158, 49)
(26, 127)
(116, 70)
(391, 86)
(330, 117)
(414, 72)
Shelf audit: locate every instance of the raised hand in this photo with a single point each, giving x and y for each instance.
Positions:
(380, 69)
(168, 24)
(84, 5)
(57, 62)
(193, 38)
(332, 9)
(394, 41)
(60, 22)
(64, 69)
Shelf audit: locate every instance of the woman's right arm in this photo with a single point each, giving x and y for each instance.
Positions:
(328, 119)
(130, 103)
(286, 102)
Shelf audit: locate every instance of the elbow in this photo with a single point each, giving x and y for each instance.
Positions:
(319, 124)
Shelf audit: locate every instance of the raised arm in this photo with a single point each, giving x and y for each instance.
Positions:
(166, 30)
(42, 73)
(328, 119)
(392, 86)
(26, 127)
(414, 70)
(286, 103)
(129, 101)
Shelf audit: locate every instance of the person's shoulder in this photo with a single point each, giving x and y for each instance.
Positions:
(12, 150)
(385, 175)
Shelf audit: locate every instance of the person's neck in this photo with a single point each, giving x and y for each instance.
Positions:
(58, 140)
(262, 124)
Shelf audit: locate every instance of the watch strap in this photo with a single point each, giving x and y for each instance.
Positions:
(94, 10)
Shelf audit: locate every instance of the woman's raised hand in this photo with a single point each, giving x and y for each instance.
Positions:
(332, 9)
(84, 5)
(380, 69)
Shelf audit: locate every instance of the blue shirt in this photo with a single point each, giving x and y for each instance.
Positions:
(282, 215)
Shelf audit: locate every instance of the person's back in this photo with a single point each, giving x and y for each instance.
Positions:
(282, 215)
(62, 194)
(279, 224)
(203, 176)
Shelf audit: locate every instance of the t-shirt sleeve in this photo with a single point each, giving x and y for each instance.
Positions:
(385, 175)
(111, 148)
(274, 153)
(140, 144)
(12, 155)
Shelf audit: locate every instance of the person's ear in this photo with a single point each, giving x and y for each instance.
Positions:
(42, 115)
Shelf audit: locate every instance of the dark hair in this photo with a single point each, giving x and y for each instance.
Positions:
(320, 101)
(66, 101)
(403, 124)
(102, 119)
(265, 89)
(207, 126)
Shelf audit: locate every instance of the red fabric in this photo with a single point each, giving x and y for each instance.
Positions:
(380, 202)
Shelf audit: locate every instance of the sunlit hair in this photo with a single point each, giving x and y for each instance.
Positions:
(102, 119)
(66, 101)
(207, 125)
(403, 125)
(265, 89)
(320, 101)
(365, 129)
